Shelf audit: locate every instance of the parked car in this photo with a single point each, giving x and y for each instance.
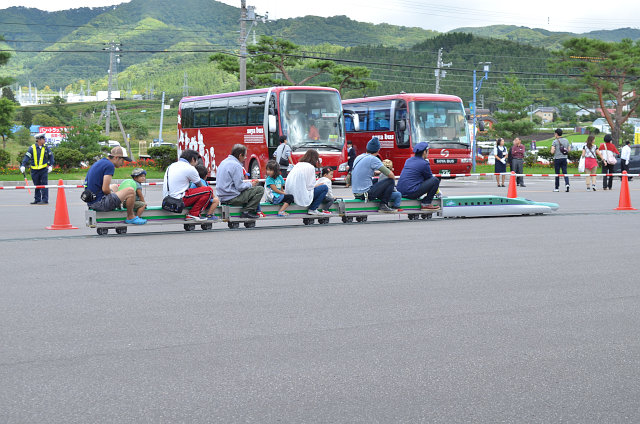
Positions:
(110, 143)
(634, 160)
(162, 143)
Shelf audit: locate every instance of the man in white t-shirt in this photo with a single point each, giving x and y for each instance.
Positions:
(625, 155)
(176, 184)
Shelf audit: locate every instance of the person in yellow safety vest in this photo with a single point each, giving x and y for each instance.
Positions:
(40, 158)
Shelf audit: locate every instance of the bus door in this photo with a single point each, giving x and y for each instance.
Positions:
(402, 150)
(273, 135)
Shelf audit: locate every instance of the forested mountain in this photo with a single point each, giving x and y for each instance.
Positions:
(544, 38)
(155, 25)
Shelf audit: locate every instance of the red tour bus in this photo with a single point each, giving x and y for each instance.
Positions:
(402, 120)
(212, 124)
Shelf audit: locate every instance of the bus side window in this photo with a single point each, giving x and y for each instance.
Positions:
(201, 114)
(218, 113)
(402, 132)
(186, 116)
(256, 110)
(238, 111)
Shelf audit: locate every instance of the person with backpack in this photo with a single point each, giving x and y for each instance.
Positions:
(283, 156)
(608, 152)
(560, 150)
(590, 155)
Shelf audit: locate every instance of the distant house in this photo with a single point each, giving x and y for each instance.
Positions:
(585, 112)
(546, 113)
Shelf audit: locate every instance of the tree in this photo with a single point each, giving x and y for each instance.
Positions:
(46, 120)
(607, 73)
(26, 117)
(345, 78)
(7, 110)
(273, 57)
(84, 137)
(512, 118)
(7, 93)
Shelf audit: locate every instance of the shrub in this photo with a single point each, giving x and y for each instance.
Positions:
(68, 158)
(5, 157)
(23, 137)
(20, 155)
(545, 152)
(163, 156)
(574, 156)
(530, 158)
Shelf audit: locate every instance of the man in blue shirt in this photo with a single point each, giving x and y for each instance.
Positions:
(231, 187)
(364, 166)
(416, 179)
(98, 180)
(40, 158)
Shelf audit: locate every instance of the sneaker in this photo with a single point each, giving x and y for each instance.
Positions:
(588, 188)
(260, 214)
(314, 212)
(249, 215)
(593, 187)
(211, 218)
(429, 207)
(325, 212)
(136, 220)
(192, 218)
(555, 189)
(283, 213)
(384, 208)
(35, 202)
(567, 186)
(522, 185)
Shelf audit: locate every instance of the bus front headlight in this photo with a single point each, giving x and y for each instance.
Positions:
(342, 167)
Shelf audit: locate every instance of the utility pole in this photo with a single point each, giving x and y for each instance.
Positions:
(247, 14)
(112, 48)
(161, 118)
(476, 87)
(243, 45)
(439, 72)
(185, 86)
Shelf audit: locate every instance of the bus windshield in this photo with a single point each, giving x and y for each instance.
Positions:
(312, 119)
(440, 123)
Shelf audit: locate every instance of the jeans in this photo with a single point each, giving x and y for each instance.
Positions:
(319, 193)
(396, 199)
(382, 190)
(517, 166)
(428, 187)
(607, 169)
(40, 177)
(561, 164)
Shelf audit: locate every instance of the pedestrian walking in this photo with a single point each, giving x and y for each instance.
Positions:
(625, 156)
(608, 151)
(560, 149)
(590, 155)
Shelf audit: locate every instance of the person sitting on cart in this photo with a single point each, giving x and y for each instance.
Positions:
(364, 167)
(416, 179)
(231, 187)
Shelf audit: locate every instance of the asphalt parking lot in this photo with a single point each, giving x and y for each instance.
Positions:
(506, 319)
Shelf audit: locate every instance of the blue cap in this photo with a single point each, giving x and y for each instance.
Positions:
(420, 147)
(373, 145)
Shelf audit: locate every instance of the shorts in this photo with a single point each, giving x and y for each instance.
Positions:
(107, 203)
(138, 204)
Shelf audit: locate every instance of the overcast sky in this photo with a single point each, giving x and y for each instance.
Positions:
(441, 15)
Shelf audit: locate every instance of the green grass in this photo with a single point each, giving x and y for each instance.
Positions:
(573, 138)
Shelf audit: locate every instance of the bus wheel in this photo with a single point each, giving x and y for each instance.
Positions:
(254, 170)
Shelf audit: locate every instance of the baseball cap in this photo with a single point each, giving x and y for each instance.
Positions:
(420, 147)
(138, 171)
(120, 152)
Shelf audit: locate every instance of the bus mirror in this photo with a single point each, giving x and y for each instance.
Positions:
(356, 122)
(272, 123)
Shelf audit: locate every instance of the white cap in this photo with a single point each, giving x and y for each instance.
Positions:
(39, 135)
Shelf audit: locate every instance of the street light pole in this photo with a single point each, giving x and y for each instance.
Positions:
(476, 87)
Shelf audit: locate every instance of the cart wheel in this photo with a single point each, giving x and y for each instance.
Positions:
(307, 221)
(233, 225)
(189, 227)
(323, 221)
(102, 231)
(427, 215)
(359, 218)
(206, 226)
(350, 219)
(411, 216)
(249, 224)
(121, 230)
(364, 218)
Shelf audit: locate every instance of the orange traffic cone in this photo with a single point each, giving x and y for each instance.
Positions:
(624, 204)
(512, 193)
(61, 217)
